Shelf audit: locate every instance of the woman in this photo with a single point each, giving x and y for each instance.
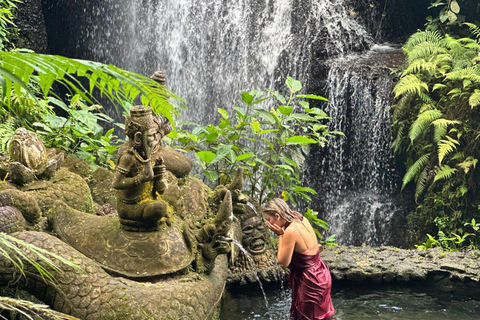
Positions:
(298, 250)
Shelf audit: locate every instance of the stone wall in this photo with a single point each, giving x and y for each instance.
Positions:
(446, 271)
(30, 20)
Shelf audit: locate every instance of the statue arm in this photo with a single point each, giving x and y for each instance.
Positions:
(121, 181)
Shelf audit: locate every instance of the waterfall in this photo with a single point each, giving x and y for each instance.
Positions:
(357, 180)
(210, 50)
(213, 50)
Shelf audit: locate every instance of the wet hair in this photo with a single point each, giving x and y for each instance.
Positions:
(277, 205)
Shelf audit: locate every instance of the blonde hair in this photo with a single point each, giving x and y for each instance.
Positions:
(277, 205)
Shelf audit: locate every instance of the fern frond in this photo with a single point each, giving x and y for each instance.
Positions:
(437, 86)
(474, 99)
(399, 138)
(446, 147)
(445, 172)
(425, 50)
(473, 29)
(410, 84)
(7, 130)
(422, 122)
(421, 37)
(468, 164)
(421, 183)
(415, 169)
(18, 70)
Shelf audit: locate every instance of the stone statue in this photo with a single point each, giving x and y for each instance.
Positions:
(139, 177)
(29, 161)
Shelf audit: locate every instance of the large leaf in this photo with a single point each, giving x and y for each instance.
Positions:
(118, 85)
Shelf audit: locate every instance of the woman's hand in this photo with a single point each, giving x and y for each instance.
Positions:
(275, 228)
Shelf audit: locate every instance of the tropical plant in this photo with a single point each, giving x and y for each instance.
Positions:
(268, 138)
(268, 144)
(437, 122)
(6, 20)
(31, 311)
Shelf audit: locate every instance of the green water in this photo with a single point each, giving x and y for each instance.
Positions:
(355, 304)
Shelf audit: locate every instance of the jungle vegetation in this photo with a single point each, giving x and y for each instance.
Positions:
(436, 121)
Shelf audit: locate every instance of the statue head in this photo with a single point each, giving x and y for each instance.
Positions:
(254, 236)
(141, 129)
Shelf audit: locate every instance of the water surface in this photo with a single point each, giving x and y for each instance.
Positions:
(356, 304)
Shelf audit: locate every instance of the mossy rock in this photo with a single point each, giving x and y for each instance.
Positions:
(65, 186)
(77, 166)
(187, 196)
(101, 187)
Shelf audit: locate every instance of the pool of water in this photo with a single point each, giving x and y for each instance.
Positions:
(354, 304)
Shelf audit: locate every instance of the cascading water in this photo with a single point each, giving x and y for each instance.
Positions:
(212, 50)
(357, 179)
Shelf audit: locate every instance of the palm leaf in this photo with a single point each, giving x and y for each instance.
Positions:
(19, 70)
(415, 169)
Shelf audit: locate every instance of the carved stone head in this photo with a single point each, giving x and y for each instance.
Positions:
(254, 236)
(141, 128)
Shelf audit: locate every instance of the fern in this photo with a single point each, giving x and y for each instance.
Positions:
(7, 130)
(445, 172)
(410, 84)
(422, 122)
(421, 183)
(425, 50)
(474, 29)
(415, 169)
(421, 37)
(474, 99)
(468, 164)
(446, 147)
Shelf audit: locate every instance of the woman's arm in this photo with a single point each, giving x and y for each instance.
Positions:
(286, 245)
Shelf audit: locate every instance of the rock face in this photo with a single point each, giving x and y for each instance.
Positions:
(450, 271)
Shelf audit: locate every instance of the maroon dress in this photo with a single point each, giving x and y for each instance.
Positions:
(311, 283)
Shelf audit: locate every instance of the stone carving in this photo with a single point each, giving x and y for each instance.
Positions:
(171, 231)
(29, 158)
(139, 177)
(261, 259)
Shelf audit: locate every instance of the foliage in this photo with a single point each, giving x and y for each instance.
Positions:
(453, 241)
(31, 311)
(14, 250)
(268, 144)
(437, 124)
(6, 20)
(80, 132)
(27, 97)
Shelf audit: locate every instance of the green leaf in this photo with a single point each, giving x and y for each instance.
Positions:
(311, 96)
(206, 156)
(247, 98)
(255, 125)
(278, 96)
(223, 151)
(285, 110)
(445, 172)
(244, 156)
(267, 116)
(415, 169)
(223, 112)
(284, 166)
(211, 175)
(302, 117)
(289, 161)
(300, 140)
(454, 7)
(293, 85)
